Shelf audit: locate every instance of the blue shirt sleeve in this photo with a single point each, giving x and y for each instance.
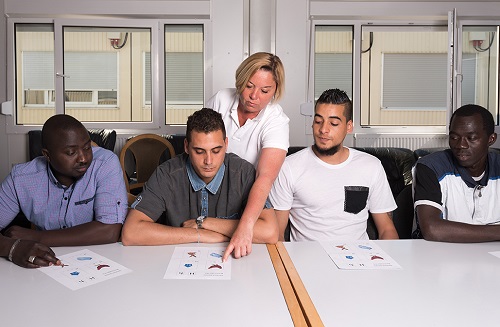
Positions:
(9, 206)
(110, 204)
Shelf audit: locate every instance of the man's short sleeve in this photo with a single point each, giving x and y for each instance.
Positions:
(426, 186)
(111, 204)
(9, 206)
(281, 194)
(150, 202)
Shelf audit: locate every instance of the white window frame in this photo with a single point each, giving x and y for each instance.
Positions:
(207, 63)
(458, 80)
(356, 88)
(156, 27)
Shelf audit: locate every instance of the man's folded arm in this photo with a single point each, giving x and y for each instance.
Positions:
(265, 229)
(139, 229)
(435, 228)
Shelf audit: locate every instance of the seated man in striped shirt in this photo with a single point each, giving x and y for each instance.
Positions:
(457, 191)
(73, 195)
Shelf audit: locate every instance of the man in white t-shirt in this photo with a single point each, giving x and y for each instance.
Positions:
(327, 190)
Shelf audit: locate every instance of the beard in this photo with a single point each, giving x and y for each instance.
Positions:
(327, 152)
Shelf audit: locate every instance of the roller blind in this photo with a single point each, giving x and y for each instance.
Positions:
(332, 70)
(86, 70)
(414, 81)
(184, 77)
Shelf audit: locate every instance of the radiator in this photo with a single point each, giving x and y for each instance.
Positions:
(411, 142)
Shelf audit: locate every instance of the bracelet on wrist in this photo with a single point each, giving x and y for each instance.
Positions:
(12, 248)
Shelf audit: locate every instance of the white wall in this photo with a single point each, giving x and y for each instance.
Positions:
(292, 48)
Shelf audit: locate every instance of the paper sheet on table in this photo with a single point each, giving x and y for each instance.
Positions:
(84, 268)
(495, 253)
(198, 263)
(358, 255)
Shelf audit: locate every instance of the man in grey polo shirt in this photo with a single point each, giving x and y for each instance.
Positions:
(201, 193)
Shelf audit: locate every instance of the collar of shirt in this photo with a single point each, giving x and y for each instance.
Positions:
(54, 180)
(197, 183)
(234, 114)
(464, 173)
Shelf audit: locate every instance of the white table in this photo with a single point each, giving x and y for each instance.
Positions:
(441, 284)
(143, 298)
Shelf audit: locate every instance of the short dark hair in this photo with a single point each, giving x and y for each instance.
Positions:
(473, 109)
(205, 120)
(57, 124)
(336, 96)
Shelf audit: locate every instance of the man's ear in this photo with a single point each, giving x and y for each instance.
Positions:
(45, 153)
(492, 139)
(186, 145)
(350, 126)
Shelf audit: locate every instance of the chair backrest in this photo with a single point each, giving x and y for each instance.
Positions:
(397, 163)
(105, 138)
(404, 215)
(144, 153)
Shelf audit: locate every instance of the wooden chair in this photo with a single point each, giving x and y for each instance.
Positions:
(139, 158)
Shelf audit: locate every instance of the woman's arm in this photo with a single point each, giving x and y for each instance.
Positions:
(268, 167)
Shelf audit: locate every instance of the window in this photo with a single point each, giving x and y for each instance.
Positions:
(333, 59)
(184, 71)
(102, 68)
(404, 76)
(479, 67)
(104, 74)
(414, 81)
(93, 79)
(34, 65)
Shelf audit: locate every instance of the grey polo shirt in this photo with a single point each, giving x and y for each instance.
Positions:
(176, 190)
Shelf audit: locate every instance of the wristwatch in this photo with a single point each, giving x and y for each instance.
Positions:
(199, 221)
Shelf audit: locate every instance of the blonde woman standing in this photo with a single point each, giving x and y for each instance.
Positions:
(257, 130)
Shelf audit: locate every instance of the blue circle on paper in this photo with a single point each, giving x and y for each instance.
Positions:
(84, 258)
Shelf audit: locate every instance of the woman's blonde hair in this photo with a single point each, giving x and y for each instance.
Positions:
(265, 61)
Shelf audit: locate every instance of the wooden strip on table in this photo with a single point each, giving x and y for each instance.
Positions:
(308, 308)
(286, 287)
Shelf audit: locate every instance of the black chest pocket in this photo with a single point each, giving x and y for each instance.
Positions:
(355, 198)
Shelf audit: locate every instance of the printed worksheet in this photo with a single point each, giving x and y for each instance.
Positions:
(359, 255)
(198, 263)
(84, 268)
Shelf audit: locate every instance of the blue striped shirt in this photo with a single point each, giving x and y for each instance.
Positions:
(99, 194)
